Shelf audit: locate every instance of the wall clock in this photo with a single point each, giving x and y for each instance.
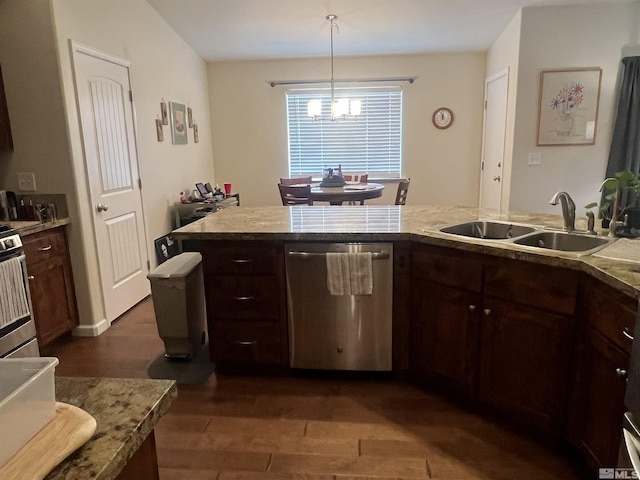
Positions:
(442, 118)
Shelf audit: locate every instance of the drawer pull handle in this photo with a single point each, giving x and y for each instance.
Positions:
(244, 299)
(242, 260)
(45, 249)
(620, 372)
(626, 333)
(245, 343)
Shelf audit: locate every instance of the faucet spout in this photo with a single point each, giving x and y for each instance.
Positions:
(568, 209)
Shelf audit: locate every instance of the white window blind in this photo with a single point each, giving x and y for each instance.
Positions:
(371, 144)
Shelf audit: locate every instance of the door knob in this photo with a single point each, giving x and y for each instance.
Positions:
(496, 178)
(101, 207)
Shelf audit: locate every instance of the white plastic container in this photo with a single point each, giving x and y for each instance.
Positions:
(27, 400)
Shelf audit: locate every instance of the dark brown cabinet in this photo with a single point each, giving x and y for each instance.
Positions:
(525, 362)
(528, 325)
(50, 284)
(246, 310)
(445, 316)
(603, 358)
(6, 140)
(498, 329)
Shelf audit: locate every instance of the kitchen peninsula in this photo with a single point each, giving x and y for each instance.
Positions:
(537, 336)
(126, 411)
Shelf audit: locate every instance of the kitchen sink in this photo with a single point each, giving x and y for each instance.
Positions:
(488, 230)
(564, 242)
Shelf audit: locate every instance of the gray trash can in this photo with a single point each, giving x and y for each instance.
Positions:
(177, 288)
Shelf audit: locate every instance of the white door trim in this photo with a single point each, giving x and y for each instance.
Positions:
(488, 80)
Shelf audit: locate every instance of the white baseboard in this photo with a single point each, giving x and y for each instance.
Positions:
(91, 330)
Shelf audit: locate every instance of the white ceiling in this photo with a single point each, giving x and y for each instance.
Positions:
(259, 29)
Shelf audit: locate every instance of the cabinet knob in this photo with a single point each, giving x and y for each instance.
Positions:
(486, 312)
(620, 372)
(472, 308)
(31, 277)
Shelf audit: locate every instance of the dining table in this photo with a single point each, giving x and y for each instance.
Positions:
(351, 192)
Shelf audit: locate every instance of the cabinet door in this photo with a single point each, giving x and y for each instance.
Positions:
(54, 310)
(525, 362)
(445, 329)
(599, 405)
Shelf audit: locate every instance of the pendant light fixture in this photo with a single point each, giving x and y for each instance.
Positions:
(342, 109)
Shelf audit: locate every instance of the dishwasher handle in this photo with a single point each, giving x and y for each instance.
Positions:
(374, 255)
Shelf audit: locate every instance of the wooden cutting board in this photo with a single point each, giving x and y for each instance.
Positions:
(68, 430)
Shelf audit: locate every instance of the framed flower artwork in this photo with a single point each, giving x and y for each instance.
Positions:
(568, 106)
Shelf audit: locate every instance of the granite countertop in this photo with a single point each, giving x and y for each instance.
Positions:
(126, 411)
(26, 227)
(397, 223)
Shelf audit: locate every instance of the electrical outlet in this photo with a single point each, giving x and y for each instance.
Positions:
(27, 182)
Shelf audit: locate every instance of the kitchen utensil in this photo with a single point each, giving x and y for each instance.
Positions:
(12, 202)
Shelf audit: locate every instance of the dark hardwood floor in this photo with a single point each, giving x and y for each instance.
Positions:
(309, 426)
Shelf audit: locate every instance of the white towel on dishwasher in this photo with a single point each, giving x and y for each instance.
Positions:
(349, 273)
(13, 296)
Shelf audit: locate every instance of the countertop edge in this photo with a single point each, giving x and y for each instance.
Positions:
(104, 456)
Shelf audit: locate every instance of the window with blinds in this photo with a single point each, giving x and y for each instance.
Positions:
(370, 144)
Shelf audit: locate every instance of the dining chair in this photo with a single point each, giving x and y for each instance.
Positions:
(295, 180)
(359, 177)
(403, 190)
(295, 195)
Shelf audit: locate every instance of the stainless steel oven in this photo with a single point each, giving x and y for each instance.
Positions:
(17, 328)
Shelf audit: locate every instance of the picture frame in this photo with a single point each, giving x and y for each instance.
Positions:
(568, 106)
(166, 248)
(189, 117)
(178, 123)
(164, 113)
(159, 132)
(196, 137)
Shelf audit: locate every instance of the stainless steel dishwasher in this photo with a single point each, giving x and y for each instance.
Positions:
(338, 332)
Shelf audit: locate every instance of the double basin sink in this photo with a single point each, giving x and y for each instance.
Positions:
(530, 236)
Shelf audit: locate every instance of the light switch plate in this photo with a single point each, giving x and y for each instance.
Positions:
(26, 182)
(535, 158)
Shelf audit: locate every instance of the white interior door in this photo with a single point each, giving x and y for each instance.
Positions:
(495, 124)
(106, 111)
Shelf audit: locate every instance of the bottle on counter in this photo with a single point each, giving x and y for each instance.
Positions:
(183, 198)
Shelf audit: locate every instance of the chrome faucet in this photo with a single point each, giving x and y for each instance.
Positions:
(568, 209)
(614, 223)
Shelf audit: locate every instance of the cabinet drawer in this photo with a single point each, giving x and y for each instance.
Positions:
(447, 267)
(42, 246)
(611, 313)
(244, 297)
(252, 342)
(226, 259)
(541, 286)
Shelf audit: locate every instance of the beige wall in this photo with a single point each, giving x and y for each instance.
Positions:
(249, 122)
(162, 66)
(36, 61)
(565, 37)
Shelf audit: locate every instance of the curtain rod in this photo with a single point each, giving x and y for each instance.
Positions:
(275, 83)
